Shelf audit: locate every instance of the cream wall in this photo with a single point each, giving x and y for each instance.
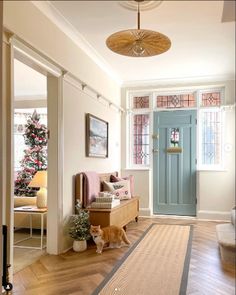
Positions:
(75, 105)
(27, 22)
(142, 187)
(21, 104)
(215, 189)
(67, 117)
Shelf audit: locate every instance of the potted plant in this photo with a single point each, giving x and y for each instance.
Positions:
(79, 228)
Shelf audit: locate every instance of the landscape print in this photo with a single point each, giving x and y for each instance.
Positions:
(97, 137)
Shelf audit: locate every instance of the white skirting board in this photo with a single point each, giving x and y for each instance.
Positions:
(144, 212)
(214, 215)
(201, 214)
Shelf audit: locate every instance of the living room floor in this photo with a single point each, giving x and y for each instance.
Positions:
(81, 273)
(24, 257)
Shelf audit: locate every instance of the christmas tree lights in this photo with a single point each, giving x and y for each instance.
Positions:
(35, 156)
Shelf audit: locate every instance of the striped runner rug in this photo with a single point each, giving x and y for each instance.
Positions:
(157, 264)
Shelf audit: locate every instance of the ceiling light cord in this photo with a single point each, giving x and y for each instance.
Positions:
(138, 17)
(138, 48)
(138, 42)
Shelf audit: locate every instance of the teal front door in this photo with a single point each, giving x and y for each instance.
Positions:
(174, 163)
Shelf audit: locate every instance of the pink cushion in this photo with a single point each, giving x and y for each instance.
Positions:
(130, 178)
(121, 189)
(122, 194)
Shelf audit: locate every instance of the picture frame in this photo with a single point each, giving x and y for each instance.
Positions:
(96, 137)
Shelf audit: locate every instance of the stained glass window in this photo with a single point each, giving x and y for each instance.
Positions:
(211, 137)
(205, 100)
(211, 99)
(141, 102)
(141, 139)
(174, 137)
(175, 101)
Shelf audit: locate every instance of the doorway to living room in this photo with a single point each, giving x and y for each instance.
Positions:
(30, 162)
(16, 49)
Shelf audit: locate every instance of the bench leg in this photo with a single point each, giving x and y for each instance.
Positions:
(136, 218)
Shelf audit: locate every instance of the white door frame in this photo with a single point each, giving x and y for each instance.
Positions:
(33, 59)
(6, 145)
(1, 139)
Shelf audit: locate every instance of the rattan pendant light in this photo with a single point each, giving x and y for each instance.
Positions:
(138, 42)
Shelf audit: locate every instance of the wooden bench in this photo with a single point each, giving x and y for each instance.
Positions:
(121, 215)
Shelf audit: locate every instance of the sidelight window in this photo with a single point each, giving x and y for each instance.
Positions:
(210, 148)
(207, 102)
(141, 139)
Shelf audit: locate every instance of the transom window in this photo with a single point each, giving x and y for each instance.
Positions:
(211, 99)
(141, 102)
(206, 101)
(175, 101)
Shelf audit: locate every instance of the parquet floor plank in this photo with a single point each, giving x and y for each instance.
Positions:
(80, 273)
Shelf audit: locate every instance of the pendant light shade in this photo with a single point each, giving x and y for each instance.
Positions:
(138, 42)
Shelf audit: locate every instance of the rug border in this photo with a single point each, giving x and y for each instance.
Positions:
(184, 279)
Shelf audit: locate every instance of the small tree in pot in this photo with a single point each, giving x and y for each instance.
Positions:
(79, 228)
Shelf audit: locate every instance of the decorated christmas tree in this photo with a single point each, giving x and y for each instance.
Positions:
(35, 156)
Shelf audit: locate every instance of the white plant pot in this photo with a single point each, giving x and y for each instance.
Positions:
(79, 246)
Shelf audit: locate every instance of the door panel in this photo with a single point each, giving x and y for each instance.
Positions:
(174, 168)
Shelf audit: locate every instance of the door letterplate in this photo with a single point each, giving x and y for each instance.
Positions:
(173, 150)
(155, 150)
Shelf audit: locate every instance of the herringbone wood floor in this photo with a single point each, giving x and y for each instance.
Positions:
(80, 273)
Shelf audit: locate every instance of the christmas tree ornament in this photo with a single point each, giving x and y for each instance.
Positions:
(35, 156)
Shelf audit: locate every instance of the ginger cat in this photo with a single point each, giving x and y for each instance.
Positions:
(113, 235)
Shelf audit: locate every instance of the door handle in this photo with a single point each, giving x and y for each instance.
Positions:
(155, 150)
(155, 136)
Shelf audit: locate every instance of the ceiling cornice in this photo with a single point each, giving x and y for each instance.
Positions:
(31, 97)
(176, 81)
(228, 14)
(47, 8)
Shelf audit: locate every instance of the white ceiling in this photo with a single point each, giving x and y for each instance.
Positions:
(202, 45)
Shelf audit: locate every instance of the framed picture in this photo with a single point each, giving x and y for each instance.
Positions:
(96, 137)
